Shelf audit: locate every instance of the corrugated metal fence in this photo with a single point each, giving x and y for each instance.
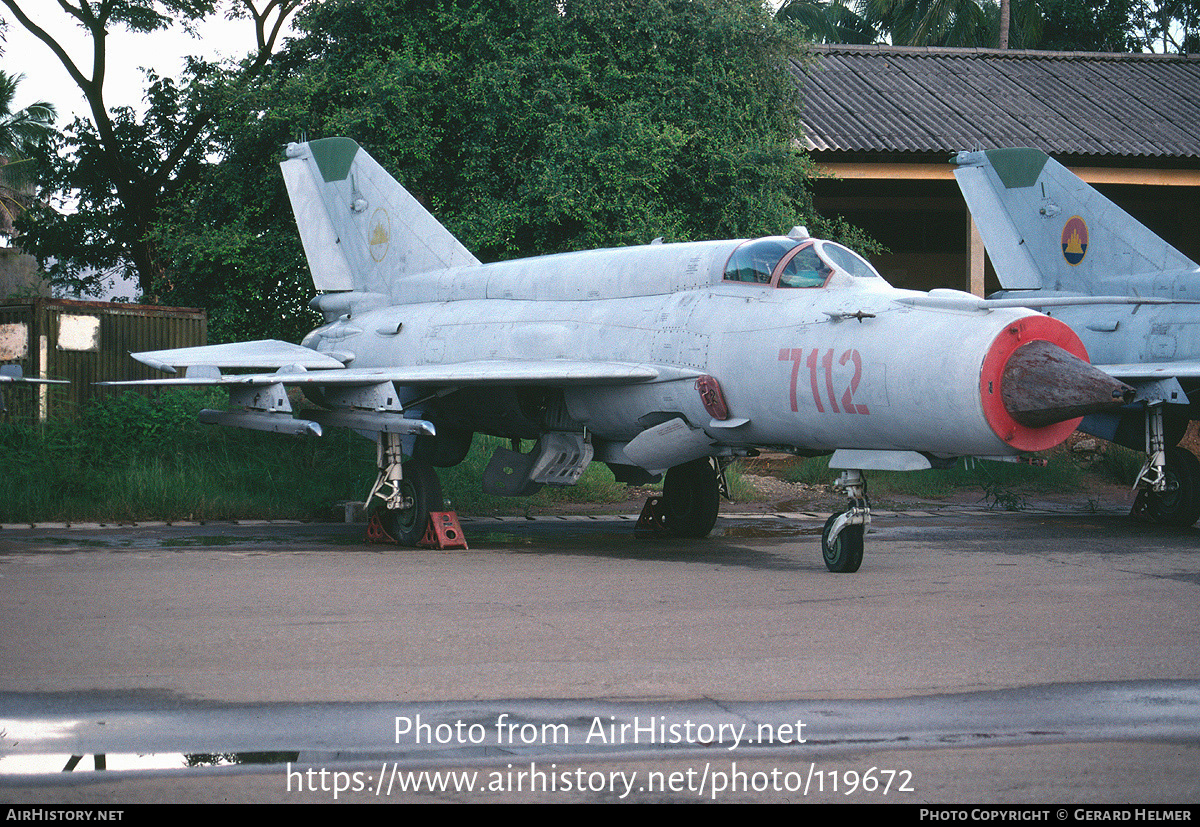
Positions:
(86, 342)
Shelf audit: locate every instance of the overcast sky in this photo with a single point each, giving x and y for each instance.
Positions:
(46, 79)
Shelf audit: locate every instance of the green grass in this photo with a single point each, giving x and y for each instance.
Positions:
(195, 473)
(1122, 465)
(134, 458)
(138, 458)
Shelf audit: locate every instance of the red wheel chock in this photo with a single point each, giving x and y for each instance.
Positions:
(443, 531)
(376, 532)
(650, 521)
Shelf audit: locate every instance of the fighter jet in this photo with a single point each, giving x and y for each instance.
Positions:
(663, 359)
(1059, 246)
(13, 374)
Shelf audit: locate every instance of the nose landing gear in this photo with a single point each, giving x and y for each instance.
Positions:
(842, 537)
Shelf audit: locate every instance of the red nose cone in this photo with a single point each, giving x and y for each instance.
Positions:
(1036, 384)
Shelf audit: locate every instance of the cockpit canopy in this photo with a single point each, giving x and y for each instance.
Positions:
(781, 261)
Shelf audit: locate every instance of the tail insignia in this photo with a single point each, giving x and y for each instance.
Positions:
(1074, 240)
(380, 234)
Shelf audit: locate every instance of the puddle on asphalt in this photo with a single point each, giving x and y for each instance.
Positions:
(127, 762)
(514, 535)
(214, 540)
(768, 530)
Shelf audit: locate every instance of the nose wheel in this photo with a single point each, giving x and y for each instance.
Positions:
(842, 537)
(1178, 501)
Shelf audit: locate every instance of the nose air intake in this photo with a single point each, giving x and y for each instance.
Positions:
(1036, 384)
(1043, 384)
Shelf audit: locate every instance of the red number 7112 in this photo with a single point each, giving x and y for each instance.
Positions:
(797, 355)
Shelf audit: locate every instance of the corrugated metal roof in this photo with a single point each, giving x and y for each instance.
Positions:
(897, 99)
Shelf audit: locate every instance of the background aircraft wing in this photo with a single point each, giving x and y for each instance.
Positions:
(14, 373)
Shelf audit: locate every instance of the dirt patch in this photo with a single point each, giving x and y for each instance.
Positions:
(1098, 490)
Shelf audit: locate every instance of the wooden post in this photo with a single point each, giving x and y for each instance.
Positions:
(975, 260)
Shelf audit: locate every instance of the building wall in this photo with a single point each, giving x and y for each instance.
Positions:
(85, 343)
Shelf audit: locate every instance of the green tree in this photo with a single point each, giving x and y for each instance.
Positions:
(1171, 26)
(20, 133)
(526, 127)
(828, 21)
(1054, 25)
(117, 168)
(931, 22)
(1088, 26)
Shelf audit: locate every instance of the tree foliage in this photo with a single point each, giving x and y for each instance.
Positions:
(829, 21)
(1171, 26)
(119, 168)
(931, 22)
(1168, 25)
(20, 134)
(1089, 26)
(900, 22)
(92, 223)
(525, 127)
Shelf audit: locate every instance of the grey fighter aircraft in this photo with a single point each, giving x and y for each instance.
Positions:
(13, 374)
(1059, 246)
(659, 359)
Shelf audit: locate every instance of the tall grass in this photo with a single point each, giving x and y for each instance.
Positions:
(131, 457)
(137, 458)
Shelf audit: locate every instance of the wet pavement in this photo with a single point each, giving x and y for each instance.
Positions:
(1026, 657)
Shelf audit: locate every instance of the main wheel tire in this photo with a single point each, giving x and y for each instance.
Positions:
(1179, 505)
(422, 490)
(846, 552)
(691, 498)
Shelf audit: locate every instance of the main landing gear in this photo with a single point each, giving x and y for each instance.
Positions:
(690, 499)
(692, 492)
(1169, 482)
(842, 537)
(409, 492)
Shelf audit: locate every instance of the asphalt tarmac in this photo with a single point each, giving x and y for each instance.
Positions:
(984, 658)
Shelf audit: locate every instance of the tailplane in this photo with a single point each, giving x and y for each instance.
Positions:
(361, 230)
(1046, 229)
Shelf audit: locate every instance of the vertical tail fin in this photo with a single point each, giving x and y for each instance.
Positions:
(361, 230)
(1044, 228)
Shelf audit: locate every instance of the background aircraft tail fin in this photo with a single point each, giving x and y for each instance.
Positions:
(1044, 228)
(361, 230)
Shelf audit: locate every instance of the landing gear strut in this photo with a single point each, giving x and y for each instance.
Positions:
(1178, 503)
(1169, 483)
(408, 491)
(842, 538)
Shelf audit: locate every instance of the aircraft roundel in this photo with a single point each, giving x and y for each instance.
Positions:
(1074, 240)
(379, 234)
